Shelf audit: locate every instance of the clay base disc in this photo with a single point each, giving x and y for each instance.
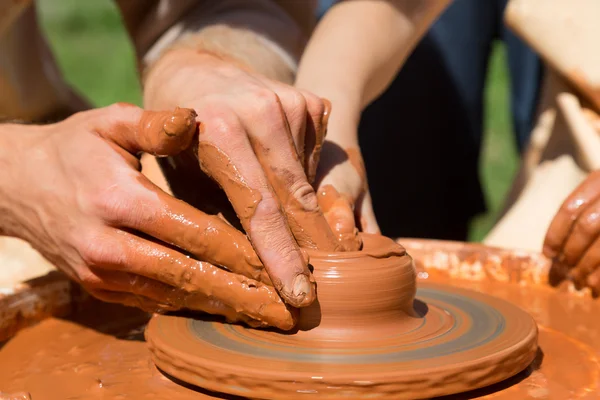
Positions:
(466, 340)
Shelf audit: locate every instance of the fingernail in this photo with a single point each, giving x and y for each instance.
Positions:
(326, 114)
(301, 289)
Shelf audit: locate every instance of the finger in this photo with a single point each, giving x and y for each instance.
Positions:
(200, 282)
(315, 134)
(207, 237)
(156, 297)
(152, 304)
(131, 300)
(261, 216)
(339, 214)
(226, 155)
(586, 265)
(593, 282)
(585, 230)
(572, 207)
(295, 107)
(307, 115)
(271, 141)
(160, 133)
(134, 290)
(366, 216)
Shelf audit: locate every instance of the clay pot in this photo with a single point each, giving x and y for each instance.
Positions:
(362, 292)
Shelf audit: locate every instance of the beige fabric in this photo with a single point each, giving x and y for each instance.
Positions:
(571, 152)
(565, 33)
(149, 21)
(564, 146)
(32, 88)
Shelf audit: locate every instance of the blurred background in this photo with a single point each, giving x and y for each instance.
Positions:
(92, 48)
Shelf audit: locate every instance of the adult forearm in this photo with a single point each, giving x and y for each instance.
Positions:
(359, 46)
(13, 138)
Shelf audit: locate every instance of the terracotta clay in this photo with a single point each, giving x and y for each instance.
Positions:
(96, 356)
(340, 217)
(364, 334)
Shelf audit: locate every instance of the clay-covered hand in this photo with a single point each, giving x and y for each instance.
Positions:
(74, 191)
(259, 140)
(573, 238)
(343, 194)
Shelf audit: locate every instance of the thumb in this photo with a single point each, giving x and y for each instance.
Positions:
(160, 133)
(338, 211)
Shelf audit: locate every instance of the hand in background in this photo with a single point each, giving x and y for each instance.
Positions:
(74, 191)
(573, 238)
(343, 194)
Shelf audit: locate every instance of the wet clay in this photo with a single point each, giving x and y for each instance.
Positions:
(340, 217)
(364, 335)
(60, 359)
(160, 133)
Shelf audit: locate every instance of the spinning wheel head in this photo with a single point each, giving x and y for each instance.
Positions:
(367, 342)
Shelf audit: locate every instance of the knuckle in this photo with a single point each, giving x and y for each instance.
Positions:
(268, 213)
(588, 224)
(296, 111)
(224, 125)
(89, 280)
(122, 110)
(94, 251)
(266, 102)
(314, 104)
(112, 203)
(304, 194)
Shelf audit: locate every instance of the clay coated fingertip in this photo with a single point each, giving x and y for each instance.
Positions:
(303, 292)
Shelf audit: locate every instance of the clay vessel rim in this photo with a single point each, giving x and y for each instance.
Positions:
(376, 246)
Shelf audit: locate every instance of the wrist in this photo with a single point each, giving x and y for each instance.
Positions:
(165, 82)
(10, 150)
(342, 126)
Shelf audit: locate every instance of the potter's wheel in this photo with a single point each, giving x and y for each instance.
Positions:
(88, 357)
(463, 340)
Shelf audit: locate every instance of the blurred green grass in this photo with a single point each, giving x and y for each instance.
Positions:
(96, 57)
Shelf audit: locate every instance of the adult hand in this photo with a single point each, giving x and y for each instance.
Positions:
(259, 140)
(573, 238)
(74, 191)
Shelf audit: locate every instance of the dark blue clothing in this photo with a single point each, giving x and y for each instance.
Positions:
(424, 133)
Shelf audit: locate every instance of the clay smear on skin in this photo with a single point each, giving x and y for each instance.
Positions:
(161, 132)
(340, 216)
(217, 165)
(306, 221)
(245, 299)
